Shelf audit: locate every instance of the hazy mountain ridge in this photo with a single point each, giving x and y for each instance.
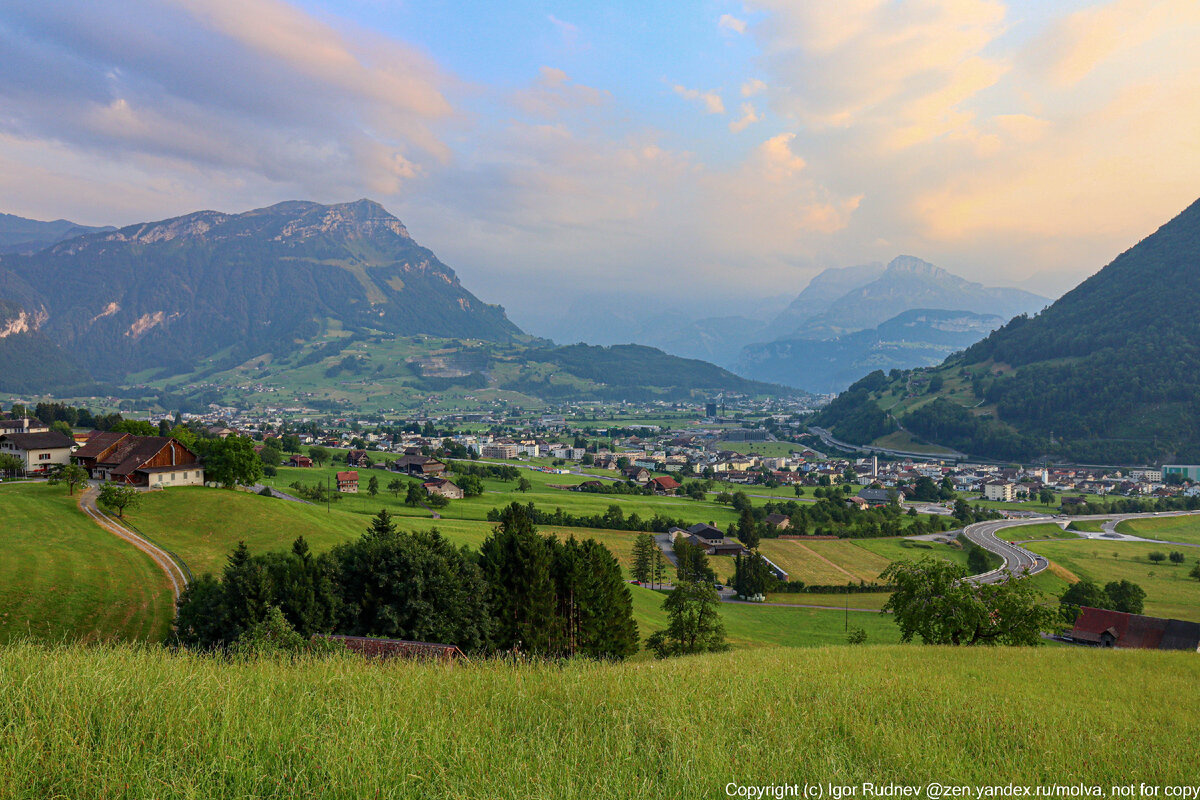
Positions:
(19, 235)
(918, 337)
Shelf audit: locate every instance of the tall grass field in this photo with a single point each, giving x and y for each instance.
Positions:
(129, 721)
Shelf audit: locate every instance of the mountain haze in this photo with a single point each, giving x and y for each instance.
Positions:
(20, 235)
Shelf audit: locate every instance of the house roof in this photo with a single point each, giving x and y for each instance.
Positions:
(98, 442)
(706, 531)
(666, 482)
(1135, 630)
(352, 475)
(873, 495)
(38, 441)
(136, 451)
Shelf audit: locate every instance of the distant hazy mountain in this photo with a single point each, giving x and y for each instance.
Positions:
(20, 235)
(1110, 373)
(905, 284)
(916, 338)
(821, 292)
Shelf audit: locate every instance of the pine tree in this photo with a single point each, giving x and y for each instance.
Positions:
(516, 563)
(643, 547)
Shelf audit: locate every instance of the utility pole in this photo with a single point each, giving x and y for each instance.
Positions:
(328, 496)
(846, 627)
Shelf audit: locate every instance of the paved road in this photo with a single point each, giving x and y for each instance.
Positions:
(992, 535)
(175, 573)
(827, 438)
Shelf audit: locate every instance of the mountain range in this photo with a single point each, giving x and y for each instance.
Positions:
(157, 299)
(851, 320)
(1109, 373)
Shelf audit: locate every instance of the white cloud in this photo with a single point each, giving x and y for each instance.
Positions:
(711, 100)
(554, 93)
(752, 87)
(729, 22)
(748, 118)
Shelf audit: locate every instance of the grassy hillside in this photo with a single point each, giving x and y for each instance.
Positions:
(1172, 529)
(103, 722)
(63, 577)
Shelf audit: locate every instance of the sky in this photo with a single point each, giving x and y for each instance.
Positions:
(713, 155)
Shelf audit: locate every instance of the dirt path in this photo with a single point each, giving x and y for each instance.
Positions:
(176, 575)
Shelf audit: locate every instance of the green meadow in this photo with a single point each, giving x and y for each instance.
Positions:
(62, 577)
(1169, 590)
(118, 721)
(1175, 529)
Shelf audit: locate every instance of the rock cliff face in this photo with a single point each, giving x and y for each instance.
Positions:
(173, 293)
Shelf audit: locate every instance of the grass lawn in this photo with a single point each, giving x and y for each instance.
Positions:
(1087, 525)
(897, 549)
(64, 577)
(1169, 590)
(108, 722)
(202, 525)
(749, 625)
(1175, 529)
(1042, 530)
(872, 601)
(824, 562)
(498, 494)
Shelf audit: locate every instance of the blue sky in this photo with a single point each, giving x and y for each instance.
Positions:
(715, 154)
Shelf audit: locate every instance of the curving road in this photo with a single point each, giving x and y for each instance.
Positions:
(1019, 561)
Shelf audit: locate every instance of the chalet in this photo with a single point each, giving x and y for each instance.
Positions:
(358, 458)
(347, 482)
(397, 648)
(300, 461)
(1103, 628)
(706, 535)
(874, 496)
(152, 461)
(419, 466)
(664, 485)
(443, 487)
(636, 474)
(38, 451)
(780, 522)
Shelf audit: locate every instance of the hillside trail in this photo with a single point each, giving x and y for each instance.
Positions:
(174, 572)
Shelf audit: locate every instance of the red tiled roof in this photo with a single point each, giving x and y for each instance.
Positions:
(347, 476)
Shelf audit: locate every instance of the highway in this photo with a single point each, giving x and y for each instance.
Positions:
(827, 438)
(992, 536)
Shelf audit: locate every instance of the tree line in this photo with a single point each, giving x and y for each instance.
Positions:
(521, 592)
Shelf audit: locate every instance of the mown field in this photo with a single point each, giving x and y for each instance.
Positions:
(1169, 590)
(64, 578)
(128, 722)
(1040, 530)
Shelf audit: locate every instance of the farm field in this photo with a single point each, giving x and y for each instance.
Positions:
(750, 625)
(872, 601)
(63, 578)
(351, 728)
(1169, 590)
(1175, 529)
(824, 562)
(894, 549)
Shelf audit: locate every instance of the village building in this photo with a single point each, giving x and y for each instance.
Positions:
(347, 482)
(443, 487)
(150, 461)
(419, 466)
(1002, 491)
(38, 451)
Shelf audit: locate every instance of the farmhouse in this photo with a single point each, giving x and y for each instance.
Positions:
(419, 466)
(664, 485)
(636, 474)
(358, 458)
(1103, 628)
(780, 522)
(300, 461)
(153, 461)
(443, 487)
(347, 482)
(38, 451)
(874, 496)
